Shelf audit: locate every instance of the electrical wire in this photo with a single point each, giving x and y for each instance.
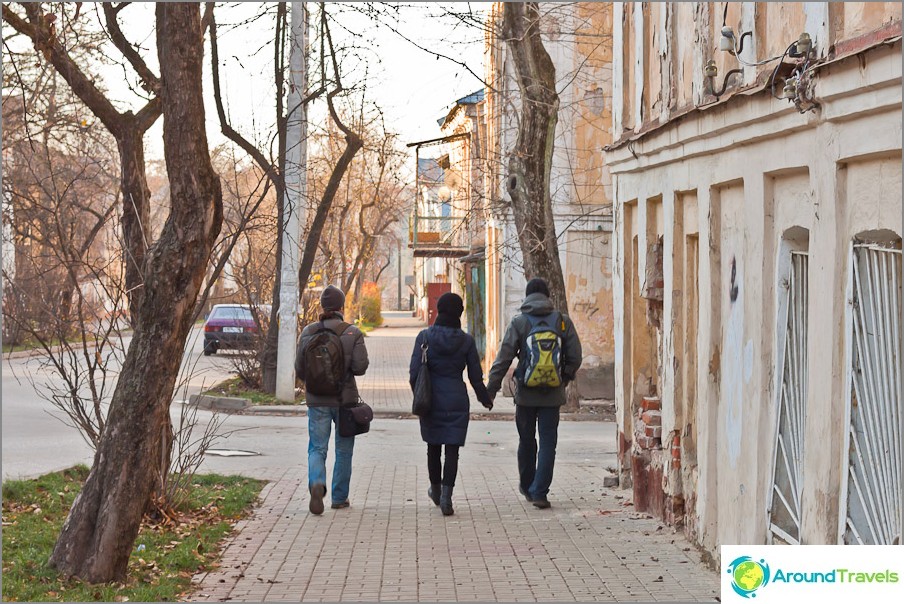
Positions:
(775, 71)
(737, 55)
(758, 63)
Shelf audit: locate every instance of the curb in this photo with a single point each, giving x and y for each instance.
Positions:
(301, 411)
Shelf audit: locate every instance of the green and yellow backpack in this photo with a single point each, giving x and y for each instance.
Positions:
(543, 366)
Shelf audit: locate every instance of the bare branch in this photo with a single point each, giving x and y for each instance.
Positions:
(149, 81)
(228, 131)
(43, 37)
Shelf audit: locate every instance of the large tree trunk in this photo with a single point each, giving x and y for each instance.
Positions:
(271, 341)
(98, 534)
(531, 161)
(136, 210)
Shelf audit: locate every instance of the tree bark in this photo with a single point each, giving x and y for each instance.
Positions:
(98, 534)
(136, 209)
(269, 353)
(531, 161)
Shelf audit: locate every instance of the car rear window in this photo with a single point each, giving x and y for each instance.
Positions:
(234, 312)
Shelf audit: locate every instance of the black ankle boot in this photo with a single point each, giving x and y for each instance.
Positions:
(433, 493)
(445, 501)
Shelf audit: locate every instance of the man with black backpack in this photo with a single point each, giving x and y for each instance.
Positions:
(330, 354)
(549, 355)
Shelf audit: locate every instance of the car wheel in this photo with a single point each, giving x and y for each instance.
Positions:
(210, 348)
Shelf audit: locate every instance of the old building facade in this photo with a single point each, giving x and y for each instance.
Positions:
(757, 268)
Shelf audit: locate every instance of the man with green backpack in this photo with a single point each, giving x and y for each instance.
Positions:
(549, 355)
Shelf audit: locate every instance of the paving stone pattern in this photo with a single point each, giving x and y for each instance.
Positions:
(394, 545)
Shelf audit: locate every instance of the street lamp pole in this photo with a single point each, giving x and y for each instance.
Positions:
(296, 183)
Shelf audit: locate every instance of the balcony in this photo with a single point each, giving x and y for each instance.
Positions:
(438, 236)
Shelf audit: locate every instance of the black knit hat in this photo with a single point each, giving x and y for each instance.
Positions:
(332, 298)
(450, 304)
(537, 286)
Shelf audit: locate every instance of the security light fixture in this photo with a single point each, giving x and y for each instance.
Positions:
(710, 70)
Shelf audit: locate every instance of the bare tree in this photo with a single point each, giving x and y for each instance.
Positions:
(531, 161)
(274, 168)
(98, 534)
(127, 127)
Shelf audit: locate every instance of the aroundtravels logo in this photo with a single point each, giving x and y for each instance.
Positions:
(811, 573)
(748, 575)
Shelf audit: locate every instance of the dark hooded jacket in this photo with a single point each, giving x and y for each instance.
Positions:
(513, 346)
(356, 362)
(449, 351)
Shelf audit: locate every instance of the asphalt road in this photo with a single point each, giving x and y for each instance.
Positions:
(35, 441)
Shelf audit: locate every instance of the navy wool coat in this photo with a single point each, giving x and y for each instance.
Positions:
(450, 351)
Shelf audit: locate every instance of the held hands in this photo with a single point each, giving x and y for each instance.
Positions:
(488, 405)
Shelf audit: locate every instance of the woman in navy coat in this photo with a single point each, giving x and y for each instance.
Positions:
(449, 351)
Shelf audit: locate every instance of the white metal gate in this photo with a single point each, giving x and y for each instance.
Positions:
(873, 481)
(787, 468)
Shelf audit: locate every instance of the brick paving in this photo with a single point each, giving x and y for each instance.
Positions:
(385, 386)
(393, 544)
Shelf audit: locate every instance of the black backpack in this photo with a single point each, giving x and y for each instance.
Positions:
(324, 361)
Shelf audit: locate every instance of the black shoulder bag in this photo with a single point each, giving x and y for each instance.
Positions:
(355, 419)
(423, 392)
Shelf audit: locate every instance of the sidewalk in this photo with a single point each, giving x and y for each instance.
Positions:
(393, 544)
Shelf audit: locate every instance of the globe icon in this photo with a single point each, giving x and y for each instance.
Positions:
(748, 575)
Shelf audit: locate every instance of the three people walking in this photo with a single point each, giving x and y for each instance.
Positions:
(542, 338)
(449, 351)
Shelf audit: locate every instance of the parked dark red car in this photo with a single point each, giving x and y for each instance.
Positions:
(229, 326)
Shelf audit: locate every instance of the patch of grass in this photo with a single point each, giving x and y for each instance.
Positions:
(28, 345)
(237, 388)
(174, 549)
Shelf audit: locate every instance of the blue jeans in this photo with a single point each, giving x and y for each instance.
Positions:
(535, 466)
(320, 420)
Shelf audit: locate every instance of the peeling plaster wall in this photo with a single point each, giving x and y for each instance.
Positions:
(742, 175)
(661, 48)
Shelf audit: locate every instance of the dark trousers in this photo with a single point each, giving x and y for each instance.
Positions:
(535, 465)
(439, 474)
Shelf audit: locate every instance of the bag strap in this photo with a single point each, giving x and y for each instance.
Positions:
(535, 320)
